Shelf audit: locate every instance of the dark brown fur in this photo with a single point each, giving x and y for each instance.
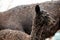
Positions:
(45, 25)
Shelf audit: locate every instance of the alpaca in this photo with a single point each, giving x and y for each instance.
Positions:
(44, 25)
(9, 34)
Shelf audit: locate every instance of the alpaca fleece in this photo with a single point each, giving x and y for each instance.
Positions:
(9, 34)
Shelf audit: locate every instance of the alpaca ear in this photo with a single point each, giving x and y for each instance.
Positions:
(37, 10)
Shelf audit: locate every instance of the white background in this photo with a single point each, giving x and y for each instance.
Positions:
(7, 4)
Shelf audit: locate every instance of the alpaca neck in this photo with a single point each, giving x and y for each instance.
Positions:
(37, 29)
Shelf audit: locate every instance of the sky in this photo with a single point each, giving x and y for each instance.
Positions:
(7, 4)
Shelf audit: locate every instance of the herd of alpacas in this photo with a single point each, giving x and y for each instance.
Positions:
(34, 22)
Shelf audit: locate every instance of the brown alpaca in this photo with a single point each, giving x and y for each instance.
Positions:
(8, 34)
(44, 25)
